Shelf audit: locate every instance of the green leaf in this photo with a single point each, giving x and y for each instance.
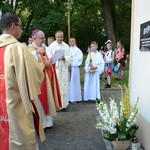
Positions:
(122, 136)
(132, 131)
(108, 136)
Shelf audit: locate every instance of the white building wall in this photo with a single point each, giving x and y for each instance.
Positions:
(139, 73)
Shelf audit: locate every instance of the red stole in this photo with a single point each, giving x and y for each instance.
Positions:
(43, 95)
(51, 73)
(4, 126)
(57, 86)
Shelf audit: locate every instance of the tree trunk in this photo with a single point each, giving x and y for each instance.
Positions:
(108, 21)
(12, 5)
(29, 20)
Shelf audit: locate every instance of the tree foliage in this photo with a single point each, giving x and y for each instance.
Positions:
(121, 11)
(87, 19)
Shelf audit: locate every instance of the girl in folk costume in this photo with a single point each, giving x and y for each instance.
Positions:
(94, 66)
(109, 58)
(120, 59)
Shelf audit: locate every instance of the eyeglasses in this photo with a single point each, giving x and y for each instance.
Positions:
(19, 25)
(42, 38)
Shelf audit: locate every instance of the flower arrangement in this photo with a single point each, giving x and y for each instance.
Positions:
(117, 121)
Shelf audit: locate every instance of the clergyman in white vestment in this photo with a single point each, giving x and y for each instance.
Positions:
(94, 66)
(74, 75)
(61, 65)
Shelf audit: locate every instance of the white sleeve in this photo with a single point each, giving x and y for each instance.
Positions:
(101, 68)
(77, 60)
(87, 67)
(48, 52)
(101, 65)
(67, 55)
(35, 54)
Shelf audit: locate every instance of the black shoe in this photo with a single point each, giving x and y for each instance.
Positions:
(91, 101)
(108, 86)
(98, 101)
(48, 127)
(116, 79)
(64, 110)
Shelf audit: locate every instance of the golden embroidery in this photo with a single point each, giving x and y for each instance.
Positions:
(3, 118)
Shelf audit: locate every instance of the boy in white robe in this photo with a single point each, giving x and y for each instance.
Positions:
(74, 74)
(94, 66)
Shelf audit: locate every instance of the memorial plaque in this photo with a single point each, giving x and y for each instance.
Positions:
(145, 36)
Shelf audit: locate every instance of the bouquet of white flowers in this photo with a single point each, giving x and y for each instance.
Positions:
(117, 121)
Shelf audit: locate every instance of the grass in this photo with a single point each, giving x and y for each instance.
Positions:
(115, 83)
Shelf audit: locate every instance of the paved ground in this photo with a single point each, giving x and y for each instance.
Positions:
(75, 130)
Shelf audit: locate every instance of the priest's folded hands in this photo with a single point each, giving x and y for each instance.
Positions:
(62, 58)
(41, 50)
(47, 62)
